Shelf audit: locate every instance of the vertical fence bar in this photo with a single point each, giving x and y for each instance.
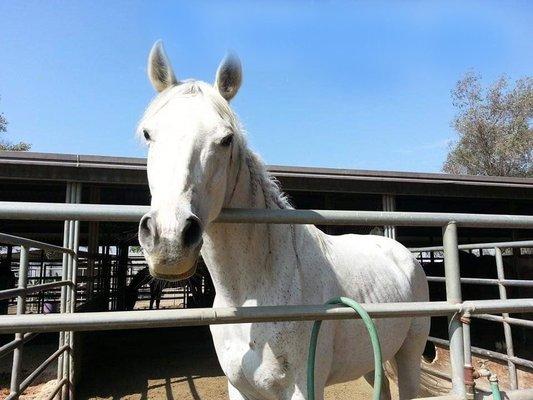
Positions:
(468, 367)
(453, 295)
(389, 204)
(513, 378)
(74, 279)
(67, 359)
(64, 277)
(21, 309)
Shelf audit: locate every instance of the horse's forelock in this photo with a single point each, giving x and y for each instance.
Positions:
(191, 88)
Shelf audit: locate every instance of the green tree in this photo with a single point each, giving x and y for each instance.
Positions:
(494, 128)
(7, 145)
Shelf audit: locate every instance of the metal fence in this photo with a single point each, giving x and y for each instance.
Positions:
(67, 321)
(502, 284)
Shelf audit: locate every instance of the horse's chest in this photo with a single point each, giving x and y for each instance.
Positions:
(254, 358)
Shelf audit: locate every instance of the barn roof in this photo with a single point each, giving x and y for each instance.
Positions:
(131, 171)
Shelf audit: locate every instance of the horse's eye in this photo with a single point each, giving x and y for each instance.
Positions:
(146, 134)
(227, 140)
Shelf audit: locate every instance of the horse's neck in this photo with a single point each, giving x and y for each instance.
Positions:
(245, 260)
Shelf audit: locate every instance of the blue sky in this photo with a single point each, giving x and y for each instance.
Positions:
(362, 85)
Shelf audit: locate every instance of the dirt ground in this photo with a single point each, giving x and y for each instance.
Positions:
(38, 350)
(159, 364)
(167, 365)
(145, 364)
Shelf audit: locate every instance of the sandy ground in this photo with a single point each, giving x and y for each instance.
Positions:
(160, 364)
(36, 353)
(174, 369)
(148, 364)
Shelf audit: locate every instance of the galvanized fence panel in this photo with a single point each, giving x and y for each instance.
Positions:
(68, 322)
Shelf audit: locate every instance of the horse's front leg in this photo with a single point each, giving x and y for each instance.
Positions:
(235, 394)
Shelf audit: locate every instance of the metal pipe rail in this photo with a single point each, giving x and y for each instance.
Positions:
(72, 213)
(57, 388)
(487, 353)
(475, 246)
(10, 346)
(20, 241)
(126, 213)
(487, 281)
(36, 372)
(68, 281)
(502, 284)
(512, 321)
(235, 315)
(9, 293)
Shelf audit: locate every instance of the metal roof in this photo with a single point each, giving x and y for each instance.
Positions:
(130, 171)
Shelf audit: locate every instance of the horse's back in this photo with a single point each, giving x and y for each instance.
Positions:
(376, 269)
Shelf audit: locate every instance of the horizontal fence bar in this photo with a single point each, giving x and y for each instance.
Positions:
(37, 371)
(10, 346)
(474, 246)
(486, 281)
(20, 241)
(9, 293)
(233, 315)
(487, 353)
(436, 372)
(107, 212)
(512, 321)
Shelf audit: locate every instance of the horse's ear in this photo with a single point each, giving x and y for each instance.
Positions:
(229, 76)
(159, 68)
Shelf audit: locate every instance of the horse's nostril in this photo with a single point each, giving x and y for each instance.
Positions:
(192, 231)
(147, 232)
(145, 224)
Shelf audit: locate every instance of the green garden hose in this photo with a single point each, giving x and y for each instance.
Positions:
(496, 395)
(378, 369)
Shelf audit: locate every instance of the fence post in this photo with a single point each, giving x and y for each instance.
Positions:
(513, 379)
(64, 276)
(21, 309)
(74, 280)
(467, 346)
(453, 295)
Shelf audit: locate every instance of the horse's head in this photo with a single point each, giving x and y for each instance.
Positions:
(193, 139)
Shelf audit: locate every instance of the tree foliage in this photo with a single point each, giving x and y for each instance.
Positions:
(7, 145)
(494, 128)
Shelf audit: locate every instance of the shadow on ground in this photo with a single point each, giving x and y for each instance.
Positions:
(167, 364)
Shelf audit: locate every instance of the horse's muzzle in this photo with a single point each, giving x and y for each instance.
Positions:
(171, 253)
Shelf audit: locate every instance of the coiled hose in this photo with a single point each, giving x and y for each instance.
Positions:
(372, 331)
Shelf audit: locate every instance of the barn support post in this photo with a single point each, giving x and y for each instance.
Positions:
(453, 296)
(389, 204)
(122, 274)
(513, 379)
(21, 309)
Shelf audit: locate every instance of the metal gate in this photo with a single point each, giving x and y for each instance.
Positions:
(67, 322)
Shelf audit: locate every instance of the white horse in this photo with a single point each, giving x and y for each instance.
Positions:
(198, 163)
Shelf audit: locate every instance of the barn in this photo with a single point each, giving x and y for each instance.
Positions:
(110, 265)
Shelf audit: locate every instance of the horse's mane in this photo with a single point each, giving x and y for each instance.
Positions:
(260, 178)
